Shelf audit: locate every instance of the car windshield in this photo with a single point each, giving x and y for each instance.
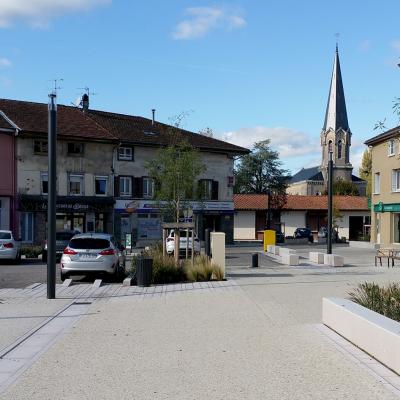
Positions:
(182, 234)
(5, 235)
(64, 236)
(89, 243)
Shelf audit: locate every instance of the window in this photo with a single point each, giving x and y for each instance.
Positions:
(339, 149)
(391, 147)
(125, 186)
(44, 183)
(26, 227)
(75, 148)
(125, 153)
(330, 146)
(377, 183)
(396, 228)
(101, 185)
(148, 188)
(206, 189)
(76, 185)
(40, 146)
(396, 180)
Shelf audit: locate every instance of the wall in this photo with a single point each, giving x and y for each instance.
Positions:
(6, 164)
(344, 225)
(293, 220)
(306, 188)
(384, 164)
(244, 225)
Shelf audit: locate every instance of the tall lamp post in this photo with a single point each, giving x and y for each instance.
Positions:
(330, 208)
(51, 197)
(268, 209)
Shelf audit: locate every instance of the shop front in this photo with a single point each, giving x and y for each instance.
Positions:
(80, 214)
(387, 224)
(138, 222)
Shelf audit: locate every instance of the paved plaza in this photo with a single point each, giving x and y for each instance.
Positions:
(257, 335)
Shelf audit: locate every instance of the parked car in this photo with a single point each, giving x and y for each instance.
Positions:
(10, 248)
(62, 240)
(303, 233)
(92, 252)
(170, 243)
(323, 233)
(280, 237)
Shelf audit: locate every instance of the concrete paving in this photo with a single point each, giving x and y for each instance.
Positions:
(253, 337)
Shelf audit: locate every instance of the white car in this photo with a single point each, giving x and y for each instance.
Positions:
(92, 252)
(10, 248)
(170, 243)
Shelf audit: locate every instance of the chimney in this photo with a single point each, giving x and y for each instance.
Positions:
(153, 111)
(85, 102)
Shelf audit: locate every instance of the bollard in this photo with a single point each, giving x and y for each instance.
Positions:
(254, 260)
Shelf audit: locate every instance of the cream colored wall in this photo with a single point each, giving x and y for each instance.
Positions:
(244, 225)
(293, 220)
(384, 164)
(344, 223)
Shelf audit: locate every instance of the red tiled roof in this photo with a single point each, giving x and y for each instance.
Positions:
(296, 202)
(33, 118)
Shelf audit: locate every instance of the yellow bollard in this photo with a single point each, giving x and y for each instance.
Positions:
(269, 238)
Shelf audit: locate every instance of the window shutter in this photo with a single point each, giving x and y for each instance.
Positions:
(214, 194)
(116, 186)
(137, 187)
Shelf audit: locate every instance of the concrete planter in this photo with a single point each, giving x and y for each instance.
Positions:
(376, 334)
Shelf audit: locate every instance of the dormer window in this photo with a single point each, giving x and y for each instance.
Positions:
(125, 153)
(75, 149)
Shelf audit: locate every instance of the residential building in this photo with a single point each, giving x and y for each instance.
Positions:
(102, 182)
(335, 138)
(385, 198)
(353, 219)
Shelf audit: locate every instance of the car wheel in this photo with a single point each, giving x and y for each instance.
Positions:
(44, 256)
(64, 277)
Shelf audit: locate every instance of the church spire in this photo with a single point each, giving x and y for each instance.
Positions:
(336, 113)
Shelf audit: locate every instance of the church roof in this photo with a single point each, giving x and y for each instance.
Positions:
(336, 113)
(307, 174)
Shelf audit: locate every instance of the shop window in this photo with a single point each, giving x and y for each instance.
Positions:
(101, 185)
(26, 227)
(148, 188)
(75, 148)
(125, 153)
(396, 180)
(76, 185)
(391, 147)
(396, 228)
(40, 146)
(377, 183)
(125, 186)
(44, 183)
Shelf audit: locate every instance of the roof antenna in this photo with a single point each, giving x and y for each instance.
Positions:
(84, 100)
(153, 111)
(56, 85)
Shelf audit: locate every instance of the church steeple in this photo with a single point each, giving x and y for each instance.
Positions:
(336, 113)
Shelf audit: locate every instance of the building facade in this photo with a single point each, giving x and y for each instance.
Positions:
(352, 222)
(385, 198)
(102, 182)
(335, 138)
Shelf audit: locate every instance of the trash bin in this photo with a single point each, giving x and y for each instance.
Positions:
(144, 271)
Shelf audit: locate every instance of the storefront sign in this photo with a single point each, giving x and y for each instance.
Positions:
(381, 207)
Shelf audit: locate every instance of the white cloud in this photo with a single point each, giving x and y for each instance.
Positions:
(202, 20)
(5, 62)
(38, 13)
(288, 142)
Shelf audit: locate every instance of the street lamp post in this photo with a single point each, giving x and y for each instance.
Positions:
(330, 187)
(51, 197)
(268, 209)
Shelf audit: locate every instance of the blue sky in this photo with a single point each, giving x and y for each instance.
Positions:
(249, 70)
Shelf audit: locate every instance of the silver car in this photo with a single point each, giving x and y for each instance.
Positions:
(10, 248)
(92, 252)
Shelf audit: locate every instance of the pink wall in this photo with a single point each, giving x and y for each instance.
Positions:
(6, 165)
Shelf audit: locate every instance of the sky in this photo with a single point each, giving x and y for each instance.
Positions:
(249, 70)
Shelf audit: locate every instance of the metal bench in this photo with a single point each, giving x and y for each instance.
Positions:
(384, 253)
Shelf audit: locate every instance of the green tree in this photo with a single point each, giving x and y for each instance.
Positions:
(365, 170)
(261, 171)
(344, 188)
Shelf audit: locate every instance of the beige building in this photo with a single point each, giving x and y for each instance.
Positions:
(385, 199)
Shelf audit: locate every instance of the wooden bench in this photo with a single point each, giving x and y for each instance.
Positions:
(386, 253)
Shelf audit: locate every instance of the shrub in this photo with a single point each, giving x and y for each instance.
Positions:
(383, 300)
(31, 251)
(202, 270)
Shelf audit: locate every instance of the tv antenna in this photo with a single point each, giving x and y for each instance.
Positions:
(56, 84)
(87, 91)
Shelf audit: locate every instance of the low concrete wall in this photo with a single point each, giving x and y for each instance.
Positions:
(363, 245)
(375, 334)
(296, 241)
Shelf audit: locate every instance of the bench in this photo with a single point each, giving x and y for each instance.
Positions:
(385, 253)
(316, 257)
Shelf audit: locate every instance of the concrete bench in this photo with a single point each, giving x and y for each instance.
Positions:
(333, 260)
(286, 251)
(271, 248)
(316, 257)
(290, 259)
